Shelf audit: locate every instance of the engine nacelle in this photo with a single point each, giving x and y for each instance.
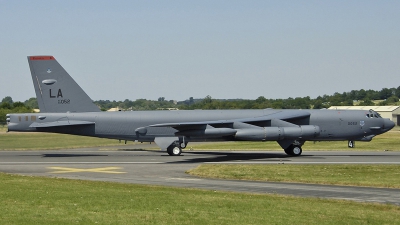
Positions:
(209, 132)
(301, 132)
(278, 133)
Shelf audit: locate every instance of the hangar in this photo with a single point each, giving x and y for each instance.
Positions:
(390, 112)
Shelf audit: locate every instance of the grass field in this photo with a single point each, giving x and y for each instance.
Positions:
(28, 200)
(387, 176)
(38, 200)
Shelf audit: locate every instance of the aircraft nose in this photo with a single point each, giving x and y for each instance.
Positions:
(388, 124)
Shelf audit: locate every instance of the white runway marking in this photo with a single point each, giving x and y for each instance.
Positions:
(188, 179)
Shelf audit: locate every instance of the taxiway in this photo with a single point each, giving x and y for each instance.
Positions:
(129, 165)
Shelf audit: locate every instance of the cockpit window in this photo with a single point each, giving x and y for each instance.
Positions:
(373, 114)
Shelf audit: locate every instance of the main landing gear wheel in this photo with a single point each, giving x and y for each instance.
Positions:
(174, 150)
(294, 150)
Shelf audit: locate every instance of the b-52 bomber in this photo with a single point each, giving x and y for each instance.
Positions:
(66, 108)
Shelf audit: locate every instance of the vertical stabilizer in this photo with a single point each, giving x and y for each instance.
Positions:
(55, 89)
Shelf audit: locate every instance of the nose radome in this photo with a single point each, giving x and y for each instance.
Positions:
(388, 124)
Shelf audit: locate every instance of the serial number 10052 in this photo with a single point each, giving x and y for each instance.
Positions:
(64, 101)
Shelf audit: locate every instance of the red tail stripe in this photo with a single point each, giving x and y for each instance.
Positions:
(41, 58)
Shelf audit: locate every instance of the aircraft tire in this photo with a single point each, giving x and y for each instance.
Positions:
(174, 150)
(287, 150)
(294, 150)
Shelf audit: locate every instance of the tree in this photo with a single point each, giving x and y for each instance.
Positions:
(318, 104)
(5, 105)
(8, 100)
(385, 93)
(18, 104)
(207, 99)
(361, 94)
(261, 99)
(367, 102)
(32, 103)
(392, 99)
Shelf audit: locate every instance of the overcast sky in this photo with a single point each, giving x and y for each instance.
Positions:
(119, 50)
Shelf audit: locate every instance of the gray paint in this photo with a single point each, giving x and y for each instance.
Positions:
(51, 81)
(66, 108)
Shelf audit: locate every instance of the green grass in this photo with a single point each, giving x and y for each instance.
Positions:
(387, 176)
(35, 141)
(29, 200)
(387, 141)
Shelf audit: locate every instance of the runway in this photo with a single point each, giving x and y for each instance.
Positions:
(130, 165)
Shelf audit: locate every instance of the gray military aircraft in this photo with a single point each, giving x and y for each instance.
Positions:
(66, 108)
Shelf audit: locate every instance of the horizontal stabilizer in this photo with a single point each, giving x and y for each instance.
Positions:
(60, 123)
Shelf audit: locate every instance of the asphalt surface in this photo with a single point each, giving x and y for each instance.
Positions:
(130, 165)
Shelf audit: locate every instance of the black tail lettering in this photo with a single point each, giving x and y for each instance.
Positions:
(51, 96)
(59, 94)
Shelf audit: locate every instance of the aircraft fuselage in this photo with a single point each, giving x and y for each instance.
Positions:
(124, 125)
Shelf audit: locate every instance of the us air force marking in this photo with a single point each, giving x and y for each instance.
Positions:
(92, 170)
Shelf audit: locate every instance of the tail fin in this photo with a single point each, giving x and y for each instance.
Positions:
(55, 89)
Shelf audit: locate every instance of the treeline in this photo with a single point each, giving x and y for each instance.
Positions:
(387, 96)
(137, 105)
(7, 106)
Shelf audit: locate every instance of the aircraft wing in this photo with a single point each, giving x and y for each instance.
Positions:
(279, 115)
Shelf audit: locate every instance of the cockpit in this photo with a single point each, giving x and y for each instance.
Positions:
(372, 114)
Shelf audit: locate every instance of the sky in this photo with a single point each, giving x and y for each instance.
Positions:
(117, 50)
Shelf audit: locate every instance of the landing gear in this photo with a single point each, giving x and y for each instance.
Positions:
(294, 150)
(176, 149)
